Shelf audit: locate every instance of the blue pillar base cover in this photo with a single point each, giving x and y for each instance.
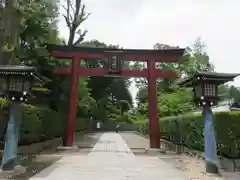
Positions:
(12, 137)
(9, 165)
(209, 141)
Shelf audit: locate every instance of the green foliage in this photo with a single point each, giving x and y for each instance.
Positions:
(229, 93)
(83, 124)
(172, 100)
(132, 118)
(86, 104)
(189, 129)
(142, 95)
(171, 104)
(124, 106)
(115, 88)
(3, 114)
(142, 126)
(234, 93)
(107, 93)
(38, 123)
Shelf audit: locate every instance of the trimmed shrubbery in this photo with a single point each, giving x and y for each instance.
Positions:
(188, 130)
(39, 123)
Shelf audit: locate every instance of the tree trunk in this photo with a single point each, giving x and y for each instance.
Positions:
(10, 19)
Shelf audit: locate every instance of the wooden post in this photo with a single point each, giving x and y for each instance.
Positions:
(73, 102)
(154, 132)
(12, 137)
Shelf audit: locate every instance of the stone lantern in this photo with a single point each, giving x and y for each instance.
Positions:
(205, 90)
(16, 82)
(205, 86)
(15, 85)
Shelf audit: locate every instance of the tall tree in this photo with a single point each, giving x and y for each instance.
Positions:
(75, 15)
(196, 59)
(101, 88)
(11, 17)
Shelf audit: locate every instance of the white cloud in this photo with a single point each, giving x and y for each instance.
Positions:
(141, 24)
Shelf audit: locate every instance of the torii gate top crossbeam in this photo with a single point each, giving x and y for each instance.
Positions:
(90, 53)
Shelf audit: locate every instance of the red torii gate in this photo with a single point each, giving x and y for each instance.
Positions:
(151, 73)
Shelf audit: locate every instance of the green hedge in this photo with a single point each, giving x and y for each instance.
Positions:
(3, 114)
(188, 130)
(38, 124)
(83, 124)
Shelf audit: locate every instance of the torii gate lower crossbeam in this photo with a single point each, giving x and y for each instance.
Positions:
(78, 53)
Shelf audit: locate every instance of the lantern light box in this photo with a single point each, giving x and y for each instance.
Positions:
(205, 86)
(16, 82)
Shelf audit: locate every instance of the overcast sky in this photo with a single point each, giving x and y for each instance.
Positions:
(143, 23)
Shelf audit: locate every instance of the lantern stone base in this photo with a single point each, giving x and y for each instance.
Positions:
(9, 166)
(67, 148)
(18, 169)
(212, 168)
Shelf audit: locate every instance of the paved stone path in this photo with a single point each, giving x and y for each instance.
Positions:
(110, 159)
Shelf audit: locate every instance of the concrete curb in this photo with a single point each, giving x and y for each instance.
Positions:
(67, 148)
(154, 151)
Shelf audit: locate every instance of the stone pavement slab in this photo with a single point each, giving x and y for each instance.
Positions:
(110, 159)
(134, 141)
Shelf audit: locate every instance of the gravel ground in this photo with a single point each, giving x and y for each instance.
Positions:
(193, 167)
(30, 165)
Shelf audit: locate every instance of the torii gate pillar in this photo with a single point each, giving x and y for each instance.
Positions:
(154, 132)
(72, 103)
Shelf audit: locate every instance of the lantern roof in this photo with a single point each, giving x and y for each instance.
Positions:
(216, 78)
(19, 69)
(22, 70)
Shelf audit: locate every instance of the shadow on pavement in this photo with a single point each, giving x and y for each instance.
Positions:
(86, 140)
(136, 143)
